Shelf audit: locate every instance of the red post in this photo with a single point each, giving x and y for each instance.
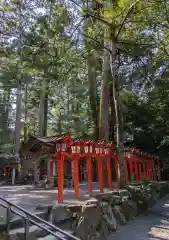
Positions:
(100, 172)
(117, 170)
(127, 174)
(60, 178)
(76, 178)
(154, 173)
(109, 173)
(140, 172)
(151, 170)
(130, 166)
(148, 171)
(89, 174)
(136, 169)
(159, 175)
(51, 168)
(144, 171)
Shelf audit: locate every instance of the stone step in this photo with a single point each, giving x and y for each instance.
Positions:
(18, 222)
(51, 237)
(35, 233)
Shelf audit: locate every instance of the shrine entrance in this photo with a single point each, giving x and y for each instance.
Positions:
(87, 161)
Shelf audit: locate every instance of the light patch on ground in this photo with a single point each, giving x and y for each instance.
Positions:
(160, 232)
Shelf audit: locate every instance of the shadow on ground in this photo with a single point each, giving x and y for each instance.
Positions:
(151, 226)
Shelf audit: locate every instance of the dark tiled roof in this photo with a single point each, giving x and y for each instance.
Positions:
(35, 144)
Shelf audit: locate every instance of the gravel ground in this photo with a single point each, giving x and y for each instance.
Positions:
(154, 226)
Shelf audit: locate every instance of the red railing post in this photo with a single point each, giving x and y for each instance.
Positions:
(159, 175)
(109, 172)
(117, 169)
(76, 178)
(144, 170)
(127, 174)
(140, 171)
(130, 166)
(100, 172)
(154, 173)
(89, 174)
(136, 170)
(60, 178)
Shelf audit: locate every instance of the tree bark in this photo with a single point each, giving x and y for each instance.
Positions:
(18, 116)
(118, 114)
(26, 113)
(104, 100)
(93, 95)
(43, 108)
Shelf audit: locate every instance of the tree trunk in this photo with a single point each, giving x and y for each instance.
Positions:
(112, 121)
(43, 108)
(18, 116)
(104, 100)
(26, 113)
(93, 95)
(118, 115)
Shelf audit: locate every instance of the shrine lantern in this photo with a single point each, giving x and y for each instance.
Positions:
(76, 147)
(88, 147)
(62, 143)
(61, 147)
(108, 149)
(99, 147)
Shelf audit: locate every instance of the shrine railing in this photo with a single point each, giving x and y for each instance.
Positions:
(31, 218)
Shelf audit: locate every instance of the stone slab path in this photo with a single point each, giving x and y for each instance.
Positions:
(29, 199)
(153, 226)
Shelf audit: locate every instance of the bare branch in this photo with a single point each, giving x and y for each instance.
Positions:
(125, 18)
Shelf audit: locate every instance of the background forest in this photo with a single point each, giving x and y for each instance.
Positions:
(96, 69)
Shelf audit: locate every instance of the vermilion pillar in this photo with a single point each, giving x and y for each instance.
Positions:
(140, 172)
(130, 166)
(159, 175)
(60, 178)
(117, 170)
(127, 174)
(100, 172)
(108, 164)
(154, 173)
(136, 169)
(51, 168)
(148, 171)
(89, 174)
(76, 178)
(144, 170)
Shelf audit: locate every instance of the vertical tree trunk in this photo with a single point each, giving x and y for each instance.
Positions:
(118, 114)
(26, 113)
(104, 99)
(43, 108)
(19, 82)
(112, 122)
(93, 95)
(18, 116)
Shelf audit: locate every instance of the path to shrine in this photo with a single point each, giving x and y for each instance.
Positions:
(154, 226)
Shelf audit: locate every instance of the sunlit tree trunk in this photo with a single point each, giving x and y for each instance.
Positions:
(104, 97)
(118, 113)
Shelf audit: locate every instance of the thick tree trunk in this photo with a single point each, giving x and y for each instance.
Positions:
(93, 95)
(18, 116)
(104, 100)
(112, 121)
(43, 108)
(118, 115)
